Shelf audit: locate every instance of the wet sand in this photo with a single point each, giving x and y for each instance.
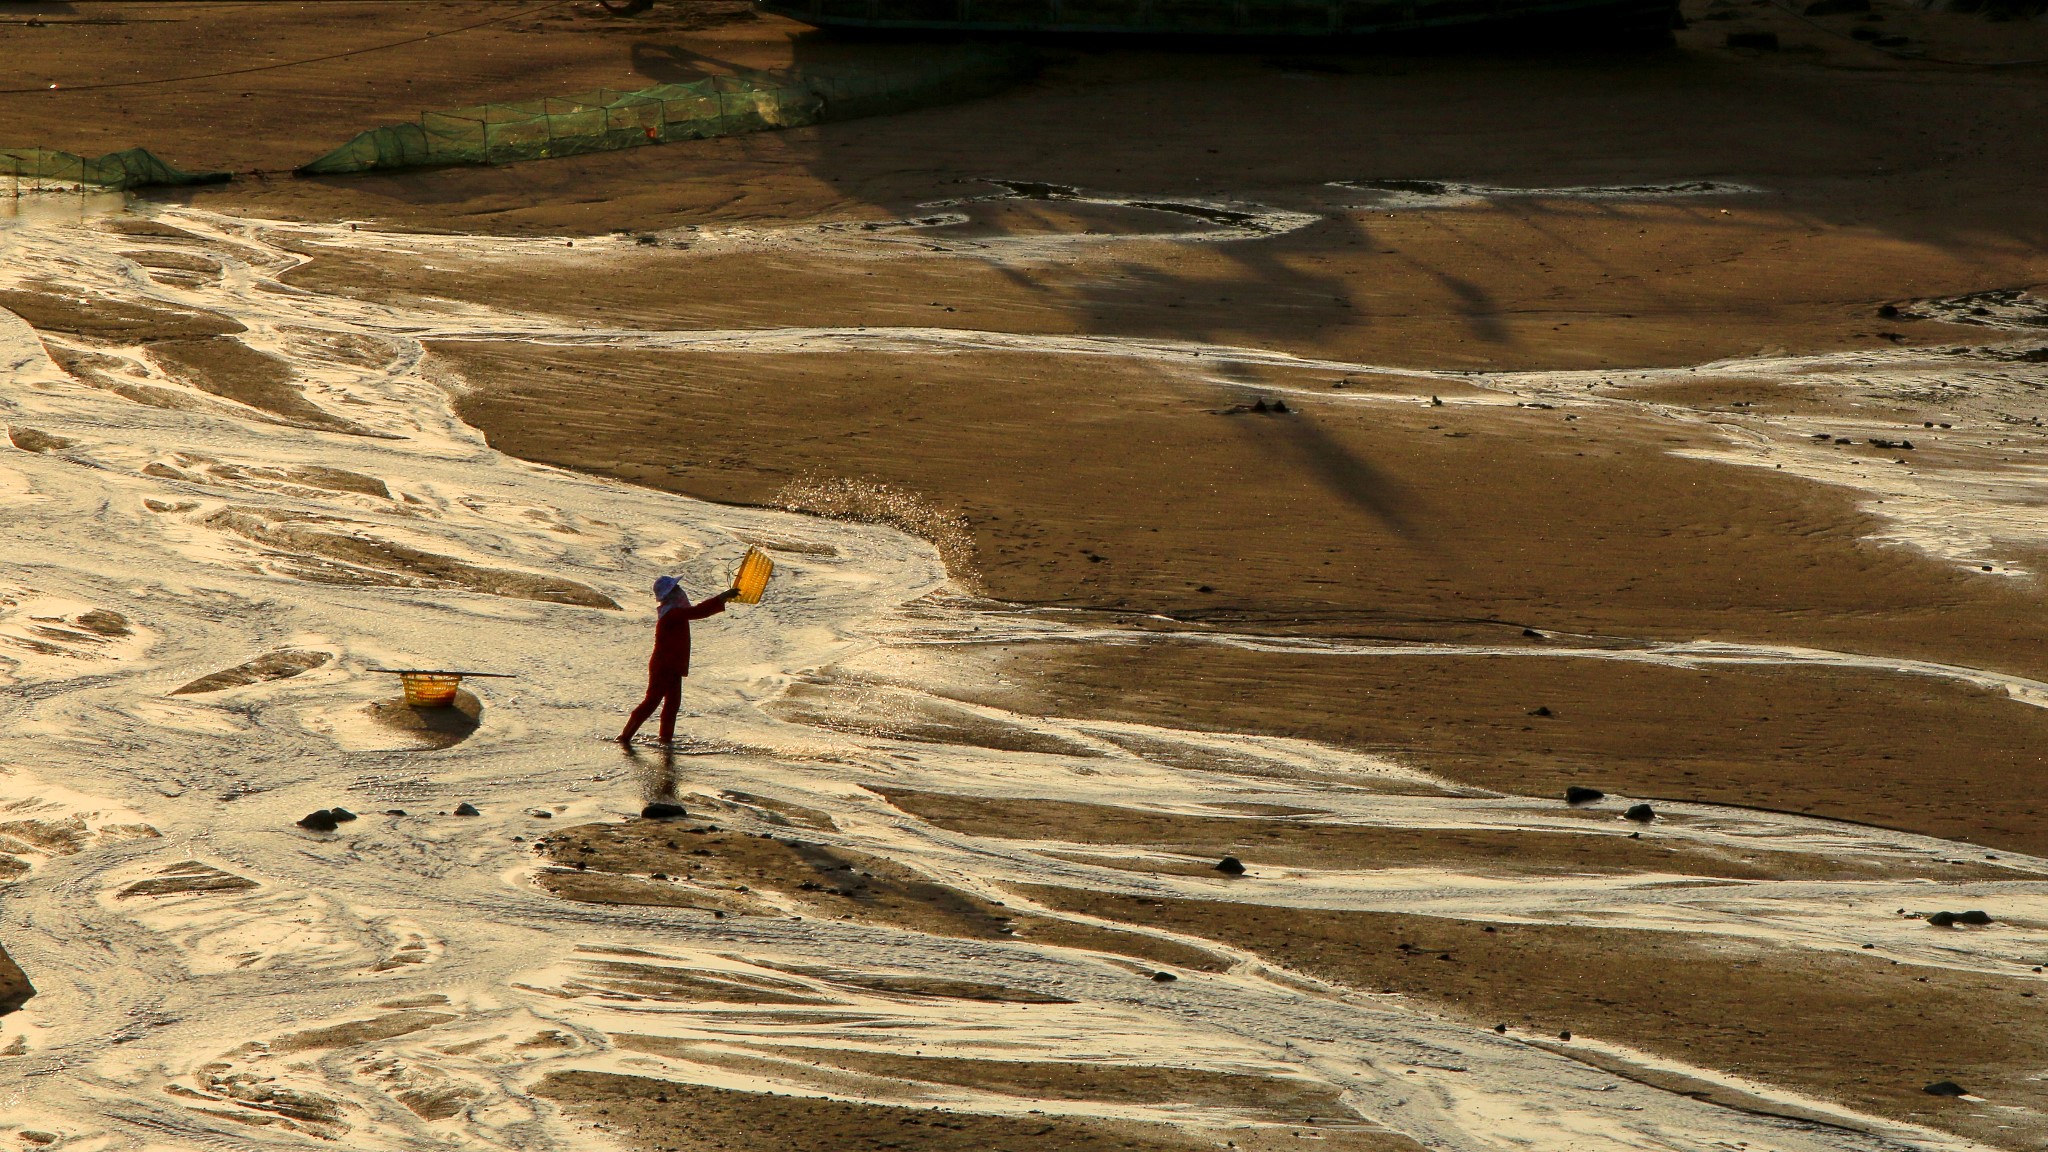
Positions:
(648, 1111)
(1861, 1031)
(1082, 387)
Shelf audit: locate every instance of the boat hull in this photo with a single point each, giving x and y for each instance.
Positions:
(1325, 19)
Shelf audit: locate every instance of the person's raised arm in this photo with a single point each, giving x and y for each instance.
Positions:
(710, 605)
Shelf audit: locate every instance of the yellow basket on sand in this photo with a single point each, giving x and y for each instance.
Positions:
(430, 689)
(752, 578)
(425, 689)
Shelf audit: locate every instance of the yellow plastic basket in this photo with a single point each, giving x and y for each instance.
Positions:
(430, 689)
(752, 578)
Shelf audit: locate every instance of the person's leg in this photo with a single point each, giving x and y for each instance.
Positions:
(643, 710)
(671, 702)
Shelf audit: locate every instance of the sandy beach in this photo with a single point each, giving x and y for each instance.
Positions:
(1316, 460)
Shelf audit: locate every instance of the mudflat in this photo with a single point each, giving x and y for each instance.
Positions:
(1333, 456)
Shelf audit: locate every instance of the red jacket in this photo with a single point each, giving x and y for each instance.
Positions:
(672, 635)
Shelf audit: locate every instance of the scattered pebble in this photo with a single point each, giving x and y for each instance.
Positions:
(1230, 866)
(1164, 977)
(466, 809)
(1565, 1035)
(1541, 710)
(1640, 813)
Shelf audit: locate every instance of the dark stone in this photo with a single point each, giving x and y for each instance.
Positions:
(1164, 977)
(1205, 588)
(1435, 403)
(1259, 405)
(660, 876)
(1281, 406)
(394, 811)
(1565, 1035)
(1761, 41)
(1532, 634)
(1541, 710)
(1942, 919)
(1501, 1028)
(1884, 311)
(540, 814)
(1640, 813)
(466, 809)
(15, 989)
(663, 811)
(1580, 795)
(1945, 1088)
(341, 815)
(1973, 916)
(1230, 866)
(320, 821)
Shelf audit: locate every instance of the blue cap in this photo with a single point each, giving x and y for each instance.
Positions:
(666, 586)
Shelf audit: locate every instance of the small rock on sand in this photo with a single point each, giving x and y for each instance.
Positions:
(320, 821)
(1230, 866)
(466, 809)
(1951, 919)
(1640, 813)
(341, 815)
(662, 811)
(1579, 795)
(1565, 1035)
(1945, 1088)
(1164, 977)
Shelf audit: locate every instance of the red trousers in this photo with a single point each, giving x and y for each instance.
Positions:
(664, 689)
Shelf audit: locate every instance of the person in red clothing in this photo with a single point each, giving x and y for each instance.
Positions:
(671, 659)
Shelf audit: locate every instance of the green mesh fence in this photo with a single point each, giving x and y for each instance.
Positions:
(606, 120)
(46, 168)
